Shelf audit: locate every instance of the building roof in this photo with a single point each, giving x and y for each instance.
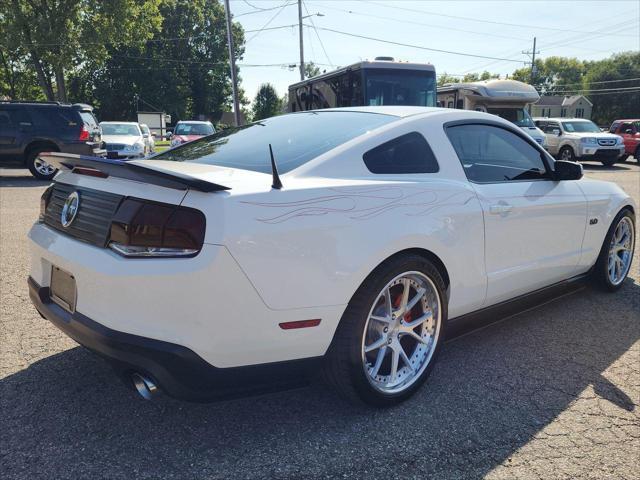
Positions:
(560, 100)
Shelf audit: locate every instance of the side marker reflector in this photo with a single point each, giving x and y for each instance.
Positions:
(300, 324)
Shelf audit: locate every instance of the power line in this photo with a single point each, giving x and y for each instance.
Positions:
(493, 22)
(583, 90)
(317, 34)
(602, 81)
(262, 10)
(419, 47)
(257, 8)
(422, 24)
(264, 27)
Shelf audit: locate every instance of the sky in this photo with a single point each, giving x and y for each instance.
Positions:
(587, 30)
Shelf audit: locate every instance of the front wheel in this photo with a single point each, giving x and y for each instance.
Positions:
(390, 334)
(616, 254)
(609, 162)
(566, 153)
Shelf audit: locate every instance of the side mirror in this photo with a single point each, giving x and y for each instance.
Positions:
(557, 132)
(168, 135)
(145, 135)
(629, 131)
(564, 170)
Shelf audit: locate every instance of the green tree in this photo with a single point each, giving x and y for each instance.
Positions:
(609, 105)
(184, 71)
(58, 35)
(444, 78)
(553, 74)
(267, 103)
(311, 70)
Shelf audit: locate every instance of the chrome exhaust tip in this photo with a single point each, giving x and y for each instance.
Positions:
(144, 386)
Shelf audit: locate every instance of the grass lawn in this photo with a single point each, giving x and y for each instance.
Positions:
(162, 145)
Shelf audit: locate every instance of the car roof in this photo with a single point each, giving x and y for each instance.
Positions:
(120, 123)
(562, 119)
(195, 121)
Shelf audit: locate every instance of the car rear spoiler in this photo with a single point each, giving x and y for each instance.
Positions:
(106, 167)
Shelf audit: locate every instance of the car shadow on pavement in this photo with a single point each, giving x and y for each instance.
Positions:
(492, 392)
(22, 181)
(603, 168)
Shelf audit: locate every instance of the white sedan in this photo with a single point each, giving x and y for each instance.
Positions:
(344, 240)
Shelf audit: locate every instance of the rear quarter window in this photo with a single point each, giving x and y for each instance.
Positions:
(409, 153)
(55, 117)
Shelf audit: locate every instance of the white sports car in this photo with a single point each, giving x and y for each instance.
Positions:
(343, 240)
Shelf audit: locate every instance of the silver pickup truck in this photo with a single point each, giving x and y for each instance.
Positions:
(580, 139)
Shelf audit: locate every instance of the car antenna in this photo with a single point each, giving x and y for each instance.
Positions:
(277, 184)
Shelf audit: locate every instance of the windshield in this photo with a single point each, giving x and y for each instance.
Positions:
(295, 138)
(194, 129)
(400, 87)
(120, 129)
(518, 116)
(580, 127)
(89, 120)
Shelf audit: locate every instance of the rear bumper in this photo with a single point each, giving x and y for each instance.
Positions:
(177, 370)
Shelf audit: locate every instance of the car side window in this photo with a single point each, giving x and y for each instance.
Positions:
(409, 153)
(5, 118)
(492, 154)
(551, 127)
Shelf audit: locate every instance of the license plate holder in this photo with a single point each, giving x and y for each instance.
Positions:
(62, 288)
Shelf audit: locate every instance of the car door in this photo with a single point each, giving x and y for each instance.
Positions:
(9, 133)
(534, 225)
(628, 132)
(553, 132)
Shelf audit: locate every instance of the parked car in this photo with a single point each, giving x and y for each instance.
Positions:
(342, 239)
(29, 128)
(629, 130)
(124, 140)
(188, 131)
(149, 138)
(575, 139)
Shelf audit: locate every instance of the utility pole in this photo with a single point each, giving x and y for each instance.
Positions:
(301, 44)
(533, 61)
(232, 61)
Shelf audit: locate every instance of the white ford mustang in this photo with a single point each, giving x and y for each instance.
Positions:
(343, 240)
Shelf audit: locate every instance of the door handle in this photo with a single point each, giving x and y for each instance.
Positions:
(500, 209)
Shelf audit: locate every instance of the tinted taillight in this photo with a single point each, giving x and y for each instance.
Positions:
(142, 228)
(84, 134)
(44, 201)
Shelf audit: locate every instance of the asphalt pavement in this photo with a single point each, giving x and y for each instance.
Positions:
(551, 393)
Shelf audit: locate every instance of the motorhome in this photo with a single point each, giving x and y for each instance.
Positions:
(506, 98)
(382, 81)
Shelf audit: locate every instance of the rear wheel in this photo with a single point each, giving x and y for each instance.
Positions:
(609, 162)
(39, 168)
(616, 254)
(636, 155)
(566, 153)
(390, 334)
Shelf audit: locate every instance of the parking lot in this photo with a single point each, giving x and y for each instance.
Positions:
(550, 393)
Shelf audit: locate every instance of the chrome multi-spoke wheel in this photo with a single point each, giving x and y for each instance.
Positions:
(390, 334)
(401, 332)
(43, 168)
(620, 251)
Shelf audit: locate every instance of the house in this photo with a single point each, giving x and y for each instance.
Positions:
(554, 106)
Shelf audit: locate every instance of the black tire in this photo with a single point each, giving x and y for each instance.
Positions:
(343, 367)
(636, 155)
(32, 155)
(600, 271)
(609, 162)
(568, 151)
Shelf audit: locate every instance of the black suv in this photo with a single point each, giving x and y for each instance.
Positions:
(30, 128)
